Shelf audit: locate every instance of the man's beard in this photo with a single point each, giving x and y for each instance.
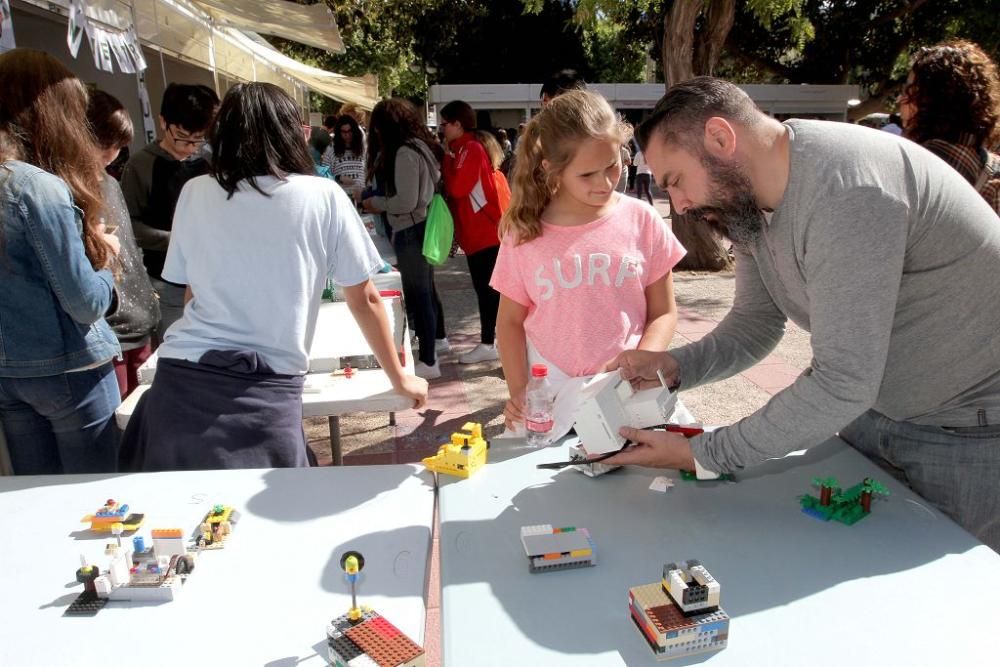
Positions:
(732, 210)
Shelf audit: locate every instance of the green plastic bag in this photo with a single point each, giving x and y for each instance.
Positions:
(439, 233)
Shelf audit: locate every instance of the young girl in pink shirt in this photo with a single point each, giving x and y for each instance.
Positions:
(583, 272)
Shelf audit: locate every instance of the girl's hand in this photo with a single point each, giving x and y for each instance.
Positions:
(513, 411)
(414, 388)
(640, 368)
(369, 206)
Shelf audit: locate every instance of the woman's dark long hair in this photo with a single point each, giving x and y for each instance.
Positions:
(43, 121)
(395, 123)
(258, 132)
(357, 141)
(956, 93)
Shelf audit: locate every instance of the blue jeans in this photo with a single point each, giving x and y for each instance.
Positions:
(61, 423)
(418, 288)
(956, 469)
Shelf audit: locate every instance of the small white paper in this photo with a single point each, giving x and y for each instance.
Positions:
(661, 484)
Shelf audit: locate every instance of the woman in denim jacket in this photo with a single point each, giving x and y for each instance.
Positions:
(58, 391)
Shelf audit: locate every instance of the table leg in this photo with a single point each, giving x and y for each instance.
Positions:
(392, 419)
(335, 446)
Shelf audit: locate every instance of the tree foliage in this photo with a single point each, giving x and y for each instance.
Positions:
(864, 42)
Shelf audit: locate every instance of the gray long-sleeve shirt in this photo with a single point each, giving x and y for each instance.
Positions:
(892, 262)
(417, 173)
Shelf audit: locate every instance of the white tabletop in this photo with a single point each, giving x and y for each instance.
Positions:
(263, 600)
(905, 586)
(338, 334)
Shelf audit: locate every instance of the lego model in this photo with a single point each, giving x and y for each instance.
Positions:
(155, 573)
(549, 548)
(609, 402)
(463, 456)
(137, 573)
(103, 519)
(705, 475)
(680, 615)
(363, 638)
(216, 527)
(848, 506)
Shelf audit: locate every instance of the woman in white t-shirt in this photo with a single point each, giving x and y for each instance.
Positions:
(255, 243)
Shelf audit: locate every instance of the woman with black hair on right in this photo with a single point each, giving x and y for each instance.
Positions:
(951, 106)
(255, 242)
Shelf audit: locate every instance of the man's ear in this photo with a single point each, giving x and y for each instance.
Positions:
(720, 137)
(163, 124)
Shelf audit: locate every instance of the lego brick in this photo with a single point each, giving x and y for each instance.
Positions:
(86, 604)
(167, 533)
(383, 642)
(363, 661)
(649, 595)
(535, 545)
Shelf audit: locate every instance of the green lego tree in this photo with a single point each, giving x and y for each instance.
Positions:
(826, 486)
(869, 488)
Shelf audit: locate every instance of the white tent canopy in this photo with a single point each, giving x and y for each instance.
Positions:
(307, 24)
(220, 36)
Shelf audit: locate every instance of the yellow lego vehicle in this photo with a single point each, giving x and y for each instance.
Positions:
(216, 526)
(104, 519)
(464, 455)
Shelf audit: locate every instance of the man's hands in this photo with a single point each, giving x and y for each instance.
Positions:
(640, 368)
(654, 449)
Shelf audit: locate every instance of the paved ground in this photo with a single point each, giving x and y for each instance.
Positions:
(478, 393)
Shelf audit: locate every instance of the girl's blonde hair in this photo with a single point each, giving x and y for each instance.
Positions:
(554, 135)
(492, 147)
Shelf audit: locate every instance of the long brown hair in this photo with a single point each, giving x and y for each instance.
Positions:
(395, 123)
(554, 135)
(43, 121)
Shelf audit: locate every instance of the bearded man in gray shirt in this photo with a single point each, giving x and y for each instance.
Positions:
(875, 246)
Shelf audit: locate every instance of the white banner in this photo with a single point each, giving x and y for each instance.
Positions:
(6, 27)
(77, 26)
(107, 45)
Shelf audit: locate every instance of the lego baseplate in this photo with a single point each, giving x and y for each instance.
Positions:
(371, 641)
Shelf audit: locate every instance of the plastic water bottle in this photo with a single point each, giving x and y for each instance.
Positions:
(538, 400)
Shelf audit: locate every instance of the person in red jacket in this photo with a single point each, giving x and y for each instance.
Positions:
(476, 208)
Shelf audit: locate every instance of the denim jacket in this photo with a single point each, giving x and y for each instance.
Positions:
(52, 302)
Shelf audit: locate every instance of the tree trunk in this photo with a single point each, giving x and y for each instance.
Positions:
(678, 40)
(720, 19)
(705, 251)
(866, 502)
(825, 492)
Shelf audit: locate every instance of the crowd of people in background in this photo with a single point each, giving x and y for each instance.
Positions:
(215, 247)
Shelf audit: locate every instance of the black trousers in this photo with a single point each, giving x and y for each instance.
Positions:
(418, 288)
(481, 269)
(642, 187)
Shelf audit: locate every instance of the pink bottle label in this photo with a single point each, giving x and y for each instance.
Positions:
(540, 427)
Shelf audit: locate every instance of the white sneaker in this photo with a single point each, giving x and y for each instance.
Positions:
(422, 370)
(479, 353)
(442, 345)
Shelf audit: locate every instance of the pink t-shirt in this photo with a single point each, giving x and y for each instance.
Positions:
(584, 286)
